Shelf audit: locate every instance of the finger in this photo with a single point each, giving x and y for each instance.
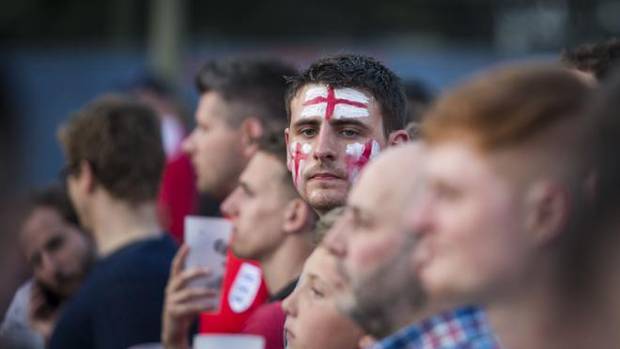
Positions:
(191, 294)
(190, 309)
(185, 277)
(178, 263)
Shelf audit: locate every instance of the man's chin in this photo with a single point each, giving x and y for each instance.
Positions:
(326, 200)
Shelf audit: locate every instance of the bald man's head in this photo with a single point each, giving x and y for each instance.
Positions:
(374, 251)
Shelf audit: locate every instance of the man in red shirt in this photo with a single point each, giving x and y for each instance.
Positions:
(240, 102)
(273, 225)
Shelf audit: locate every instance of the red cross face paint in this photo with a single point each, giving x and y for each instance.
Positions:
(358, 155)
(335, 103)
(299, 153)
(333, 133)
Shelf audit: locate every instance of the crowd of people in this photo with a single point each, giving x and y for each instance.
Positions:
(364, 213)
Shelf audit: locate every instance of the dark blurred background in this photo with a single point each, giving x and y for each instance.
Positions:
(55, 55)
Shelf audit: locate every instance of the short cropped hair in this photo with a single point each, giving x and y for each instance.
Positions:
(273, 144)
(120, 139)
(597, 58)
(361, 72)
(256, 86)
(506, 106)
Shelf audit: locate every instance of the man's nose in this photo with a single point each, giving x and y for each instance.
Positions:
(325, 144)
(187, 145)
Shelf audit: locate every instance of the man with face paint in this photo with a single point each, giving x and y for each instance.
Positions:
(375, 255)
(343, 111)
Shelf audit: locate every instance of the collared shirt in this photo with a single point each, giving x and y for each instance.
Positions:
(462, 328)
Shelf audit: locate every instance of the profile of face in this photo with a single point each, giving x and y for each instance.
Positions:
(58, 252)
(333, 133)
(312, 319)
(374, 253)
(214, 146)
(470, 224)
(257, 207)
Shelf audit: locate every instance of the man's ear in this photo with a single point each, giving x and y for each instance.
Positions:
(296, 216)
(547, 209)
(86, 177)
(397, 137)
(251, 130)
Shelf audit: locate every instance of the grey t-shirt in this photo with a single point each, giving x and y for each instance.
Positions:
(15, 329)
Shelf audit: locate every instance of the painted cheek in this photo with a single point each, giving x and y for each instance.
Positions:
(357, 155)
(298, 154)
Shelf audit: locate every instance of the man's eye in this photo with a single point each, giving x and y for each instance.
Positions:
(349, 133)
(308, 132)
(316, 293)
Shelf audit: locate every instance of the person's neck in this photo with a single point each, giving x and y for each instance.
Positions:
(539, 315)
(116, 224)
(286, 262)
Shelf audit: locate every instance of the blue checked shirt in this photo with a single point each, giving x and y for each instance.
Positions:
(462, 328)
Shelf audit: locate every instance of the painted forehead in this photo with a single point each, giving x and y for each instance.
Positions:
(329, 103)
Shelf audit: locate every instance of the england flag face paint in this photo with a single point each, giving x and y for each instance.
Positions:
(298, 154)
(330, 103)
(358, 155)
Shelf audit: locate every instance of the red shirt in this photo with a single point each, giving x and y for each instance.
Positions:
(243, 292)
(268, 321)
(177, 194)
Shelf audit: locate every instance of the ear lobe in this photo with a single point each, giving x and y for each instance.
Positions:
(547, 210)
(296, 215)
(398, 137)
(251, 130)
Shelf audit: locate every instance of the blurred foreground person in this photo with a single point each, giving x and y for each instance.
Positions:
(508, 172)
(114, 163)
(312, 319)
(272, 225)
(60, 254)
(376, 256)
(240, 104)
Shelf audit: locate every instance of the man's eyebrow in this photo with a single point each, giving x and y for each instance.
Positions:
(348, 122)
(307, 122)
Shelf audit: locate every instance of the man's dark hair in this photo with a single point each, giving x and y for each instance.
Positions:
(55, 197)
(120, 139)
(356, 71)
(253, 87)
(596, 58)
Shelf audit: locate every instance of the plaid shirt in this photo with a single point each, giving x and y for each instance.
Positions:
(463, 328)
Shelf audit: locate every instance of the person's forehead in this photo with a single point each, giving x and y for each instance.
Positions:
(211, 107)
(40, 226)
(320, 266)
(315, 93)
(458, 161)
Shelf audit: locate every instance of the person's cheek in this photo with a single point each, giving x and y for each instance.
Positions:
(357, 155)
(298, 154)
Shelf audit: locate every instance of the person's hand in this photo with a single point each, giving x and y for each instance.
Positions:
(183, 303)
(41, 313)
